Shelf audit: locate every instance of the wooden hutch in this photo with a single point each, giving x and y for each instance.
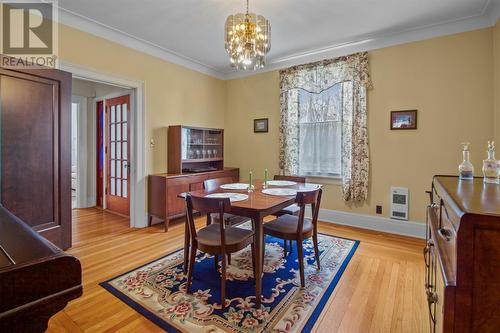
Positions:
(462, 256)
(194, 155)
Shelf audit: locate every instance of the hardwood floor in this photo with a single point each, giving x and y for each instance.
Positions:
(380, 291)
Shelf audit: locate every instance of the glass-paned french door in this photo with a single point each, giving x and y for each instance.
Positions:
(117, 154)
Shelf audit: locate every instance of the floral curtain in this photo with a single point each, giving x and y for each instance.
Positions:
(315, 78)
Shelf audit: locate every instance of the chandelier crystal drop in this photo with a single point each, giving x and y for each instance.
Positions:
(247, 40)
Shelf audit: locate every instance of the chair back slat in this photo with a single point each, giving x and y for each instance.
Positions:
(296, 179)
(210, 205)
(303, 199)
(213, 184)
(307, 197)
(207, 206)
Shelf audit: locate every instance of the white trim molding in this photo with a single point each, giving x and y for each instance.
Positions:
(102, 30)
(486, 17)
(376, 223)
(373, 42)
(81, 151)
(138, 214)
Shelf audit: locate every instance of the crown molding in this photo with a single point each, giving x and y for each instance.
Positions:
(492, 11)
(487, 17)
(99, 29)
(373, 42)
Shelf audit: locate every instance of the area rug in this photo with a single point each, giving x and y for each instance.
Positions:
(157, 289)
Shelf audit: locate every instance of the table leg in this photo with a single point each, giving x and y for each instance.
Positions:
(187, 245)
(259, 258)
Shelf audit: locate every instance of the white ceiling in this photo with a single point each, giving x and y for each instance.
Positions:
(190, 32)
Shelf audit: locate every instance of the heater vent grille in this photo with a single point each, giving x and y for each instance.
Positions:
(399, 203)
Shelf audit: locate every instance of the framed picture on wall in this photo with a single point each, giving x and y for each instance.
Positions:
(406, 119)
(260, 125)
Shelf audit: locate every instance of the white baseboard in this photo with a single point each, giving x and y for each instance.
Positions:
(377, 223)
(91, 201)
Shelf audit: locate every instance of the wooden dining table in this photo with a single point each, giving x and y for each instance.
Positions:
(256, 208)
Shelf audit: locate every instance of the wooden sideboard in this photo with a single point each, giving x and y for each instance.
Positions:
(163, 191)
(462, 256)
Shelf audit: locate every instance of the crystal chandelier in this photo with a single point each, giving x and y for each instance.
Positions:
(247, 40)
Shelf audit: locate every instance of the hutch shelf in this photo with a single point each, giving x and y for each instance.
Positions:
(194, 155)
(194, 149)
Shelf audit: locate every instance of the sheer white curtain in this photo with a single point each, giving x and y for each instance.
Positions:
(320, 132)
(320, 149)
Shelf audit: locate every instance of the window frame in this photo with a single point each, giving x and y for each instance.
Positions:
(333, 178)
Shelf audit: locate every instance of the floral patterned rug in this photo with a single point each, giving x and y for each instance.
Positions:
(157, 289)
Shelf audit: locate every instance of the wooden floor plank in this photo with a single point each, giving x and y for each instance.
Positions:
(381, 289)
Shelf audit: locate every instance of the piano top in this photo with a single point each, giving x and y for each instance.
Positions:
(5, 261)
(19, 243)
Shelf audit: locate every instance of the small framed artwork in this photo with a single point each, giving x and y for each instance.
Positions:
(260, 125)
(406, 119)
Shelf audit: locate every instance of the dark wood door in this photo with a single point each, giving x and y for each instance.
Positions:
(100, 153)
(118, 154)
(36, 150)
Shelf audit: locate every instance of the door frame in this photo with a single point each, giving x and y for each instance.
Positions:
(138, 214)
(81, 147)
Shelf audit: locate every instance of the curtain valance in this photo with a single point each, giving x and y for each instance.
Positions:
(318, 76)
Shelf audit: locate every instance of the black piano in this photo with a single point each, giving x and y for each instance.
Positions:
(37, 279)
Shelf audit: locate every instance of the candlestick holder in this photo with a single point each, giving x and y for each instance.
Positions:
(250, 187)
(264, 185)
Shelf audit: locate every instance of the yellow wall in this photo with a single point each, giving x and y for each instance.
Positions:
(449, 80)
(173, 94)
(496, 86)
(248, 99)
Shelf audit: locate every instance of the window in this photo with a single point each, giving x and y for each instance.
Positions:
(323, 123)
(320, 131)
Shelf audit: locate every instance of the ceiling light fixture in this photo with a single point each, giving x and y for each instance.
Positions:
(247, 40)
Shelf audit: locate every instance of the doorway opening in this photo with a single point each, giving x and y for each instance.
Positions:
(101, 142)
(137, 181)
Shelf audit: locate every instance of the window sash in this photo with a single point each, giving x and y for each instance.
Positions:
(320, 142)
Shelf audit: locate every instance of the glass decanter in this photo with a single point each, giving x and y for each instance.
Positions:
(491, 167)
(466, 169)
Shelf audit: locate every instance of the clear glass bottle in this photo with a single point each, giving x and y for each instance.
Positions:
(491, 167)
(466, 169)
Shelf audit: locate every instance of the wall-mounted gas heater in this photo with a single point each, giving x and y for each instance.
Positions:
(399, 203)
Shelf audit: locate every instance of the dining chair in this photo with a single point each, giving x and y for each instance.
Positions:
(215, 239)
(229, 219)
(292, 209)
(299, 228)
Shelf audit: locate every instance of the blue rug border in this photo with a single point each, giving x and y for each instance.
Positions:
(320, 306)
(172, 329)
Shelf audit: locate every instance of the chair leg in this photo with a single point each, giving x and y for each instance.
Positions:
(229, 258)
(316, 249)
(192, 258)
(285, 242)
(216, 262)
(291, 246)
(253, 259)
(300, 258)
(223, 283)
(263, 253)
